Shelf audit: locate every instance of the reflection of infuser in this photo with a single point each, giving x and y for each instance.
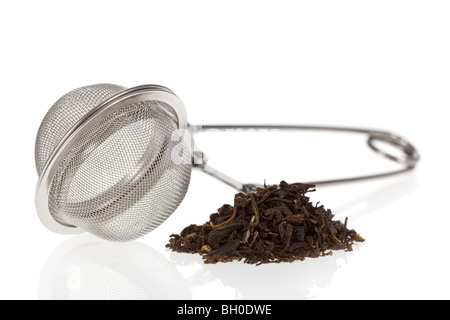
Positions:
(105, 159)
(86, 268)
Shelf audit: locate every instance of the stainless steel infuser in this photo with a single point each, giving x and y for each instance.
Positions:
(104, 155)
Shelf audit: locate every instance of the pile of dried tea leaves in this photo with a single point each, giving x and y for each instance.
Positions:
(274, 224)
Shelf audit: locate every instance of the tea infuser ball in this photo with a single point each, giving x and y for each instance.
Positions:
(104, 158)
(117, 162)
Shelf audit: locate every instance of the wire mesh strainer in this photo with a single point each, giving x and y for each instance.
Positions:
(103, 154)
(105, 159)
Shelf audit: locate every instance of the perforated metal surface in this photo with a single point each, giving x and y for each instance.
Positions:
(65, 113)
(118, 181)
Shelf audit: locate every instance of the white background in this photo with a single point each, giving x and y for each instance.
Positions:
(381, 64)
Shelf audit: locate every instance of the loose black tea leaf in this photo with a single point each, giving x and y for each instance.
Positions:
(274, 224)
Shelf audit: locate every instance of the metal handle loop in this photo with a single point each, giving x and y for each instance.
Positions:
(411, 155)
(410, 159)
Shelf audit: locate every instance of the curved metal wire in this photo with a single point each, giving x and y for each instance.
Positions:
(409, 159)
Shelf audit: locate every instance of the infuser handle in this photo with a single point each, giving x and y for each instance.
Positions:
(409, 161)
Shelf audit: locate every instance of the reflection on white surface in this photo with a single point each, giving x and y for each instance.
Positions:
(87, 268)
(374, 200)
(271, 281)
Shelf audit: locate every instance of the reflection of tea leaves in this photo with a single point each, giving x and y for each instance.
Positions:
(270, 281)
(277, 281)
(87, 268)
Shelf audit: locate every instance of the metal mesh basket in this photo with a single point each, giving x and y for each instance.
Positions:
(105, 160)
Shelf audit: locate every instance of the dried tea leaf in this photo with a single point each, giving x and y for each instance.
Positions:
(273, 224)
